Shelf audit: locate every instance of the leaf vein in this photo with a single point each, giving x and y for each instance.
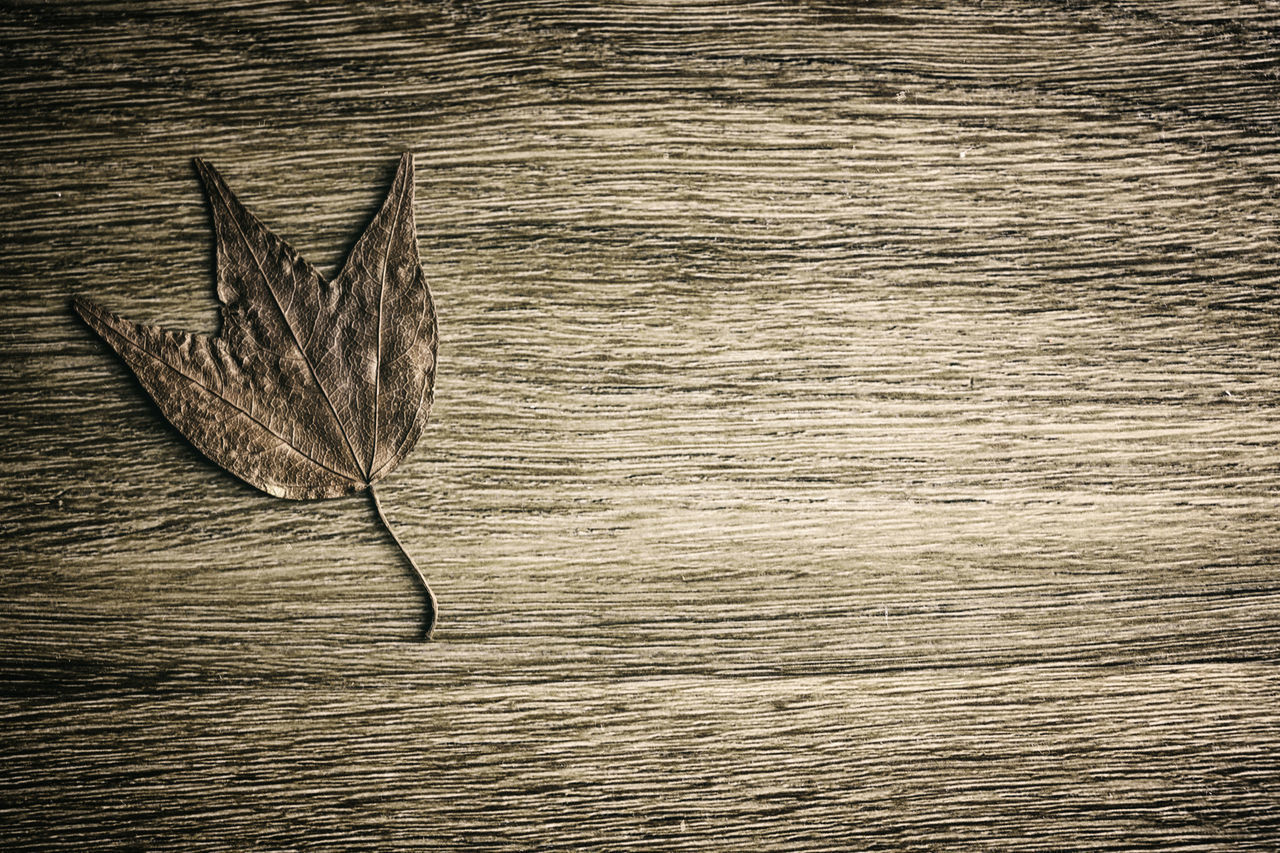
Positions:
(294, 335)
(214, 393)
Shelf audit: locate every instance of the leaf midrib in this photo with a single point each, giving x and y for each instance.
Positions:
(232, 403)
(315, 377)
(382, 291)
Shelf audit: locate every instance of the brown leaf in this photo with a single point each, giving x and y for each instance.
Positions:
(313, 389)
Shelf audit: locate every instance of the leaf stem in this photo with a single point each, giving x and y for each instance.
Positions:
(432, 610)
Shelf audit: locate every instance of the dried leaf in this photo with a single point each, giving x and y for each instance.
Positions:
(314, 389)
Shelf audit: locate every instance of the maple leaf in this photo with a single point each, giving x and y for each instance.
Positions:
(313, 389)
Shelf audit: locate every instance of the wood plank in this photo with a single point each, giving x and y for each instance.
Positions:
(856, 428)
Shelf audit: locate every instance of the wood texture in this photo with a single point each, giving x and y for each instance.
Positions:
(856, 428)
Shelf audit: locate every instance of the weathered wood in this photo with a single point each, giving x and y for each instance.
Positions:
(856, 428)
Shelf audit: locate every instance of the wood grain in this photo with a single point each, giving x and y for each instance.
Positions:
(856, 428)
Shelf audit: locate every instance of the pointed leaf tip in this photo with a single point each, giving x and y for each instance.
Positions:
(207, 173)
(405, 169)
(86, 308)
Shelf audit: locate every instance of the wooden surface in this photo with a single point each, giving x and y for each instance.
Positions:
(856, 428)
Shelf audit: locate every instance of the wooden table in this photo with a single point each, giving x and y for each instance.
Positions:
(856, 428)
